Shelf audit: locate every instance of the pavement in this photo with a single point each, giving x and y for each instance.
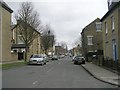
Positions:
(102, 74)
(11, 62)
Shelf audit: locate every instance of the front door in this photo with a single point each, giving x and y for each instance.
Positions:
(114, 50)
(20, 55)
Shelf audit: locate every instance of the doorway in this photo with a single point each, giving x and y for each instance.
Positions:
(20, 55)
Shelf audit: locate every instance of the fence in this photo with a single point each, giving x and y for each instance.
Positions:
(107, 62)
(110, 63)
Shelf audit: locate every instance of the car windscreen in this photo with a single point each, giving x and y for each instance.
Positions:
(79, 58)
(36, 56)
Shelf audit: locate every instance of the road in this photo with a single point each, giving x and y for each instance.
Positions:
(55, 74)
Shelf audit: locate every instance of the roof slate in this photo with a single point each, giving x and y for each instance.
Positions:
(112, 9)
(4, 5)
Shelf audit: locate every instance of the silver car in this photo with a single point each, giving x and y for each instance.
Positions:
(37, 59)
(54, 57)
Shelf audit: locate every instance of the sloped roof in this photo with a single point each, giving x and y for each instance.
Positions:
(112, 9)
(4, 5)
(89, 25)
(21, 21)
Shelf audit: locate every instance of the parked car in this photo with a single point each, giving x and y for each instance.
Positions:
(79, 60)
(46, 58)
(54, 57)
(61, 56)
(49, 57)
(37, 59)
(73, 58)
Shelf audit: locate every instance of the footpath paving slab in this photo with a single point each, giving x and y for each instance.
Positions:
(11, 62)
(102, 74)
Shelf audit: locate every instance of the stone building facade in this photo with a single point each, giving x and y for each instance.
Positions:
(18, 45)
(111, 30)
(91, 40)
(5, 32)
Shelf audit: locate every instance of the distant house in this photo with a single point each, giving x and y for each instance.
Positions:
(111, 30)
(77, 50)
(59, 50)
(18, 44)
(92, 40)
(5, 32)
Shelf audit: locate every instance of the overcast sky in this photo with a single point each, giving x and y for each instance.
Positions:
(66, 17)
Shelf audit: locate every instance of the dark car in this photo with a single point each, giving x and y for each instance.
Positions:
(73, 58)
(79, 60)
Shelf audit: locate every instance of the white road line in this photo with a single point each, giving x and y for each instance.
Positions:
(50, 70)
(35, 82)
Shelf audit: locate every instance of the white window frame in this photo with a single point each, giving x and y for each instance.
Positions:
(19, 41)
(98, 26)
(106, 28)
(113, 23)
(90, 42)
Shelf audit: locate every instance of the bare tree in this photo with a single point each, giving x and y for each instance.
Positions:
(78, 41)
(47, 39)
(63, 44)
(28, 23)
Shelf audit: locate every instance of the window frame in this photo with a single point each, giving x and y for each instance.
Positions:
(89, 41)
(100, 26)
(106, 28)
(112, 23)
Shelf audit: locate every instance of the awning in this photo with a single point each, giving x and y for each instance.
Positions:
(18, 46)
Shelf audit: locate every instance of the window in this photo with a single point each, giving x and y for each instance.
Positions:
(115, 53)
(13, 34)
(113, 23)
(106, 28)
(110, 2)
(107, 48)
(98, 26)
(20, 40)
(90, 51)
(90, 40)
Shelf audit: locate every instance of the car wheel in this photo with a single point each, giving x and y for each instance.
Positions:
(42, 64)
(75, 63)
(83, 62)
(45, 63)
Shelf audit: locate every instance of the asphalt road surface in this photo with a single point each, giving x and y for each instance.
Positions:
(61, 73)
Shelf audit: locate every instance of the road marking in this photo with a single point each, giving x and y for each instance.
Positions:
(35, 82)
(50, 69)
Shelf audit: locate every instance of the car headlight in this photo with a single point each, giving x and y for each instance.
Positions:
(39, 60)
